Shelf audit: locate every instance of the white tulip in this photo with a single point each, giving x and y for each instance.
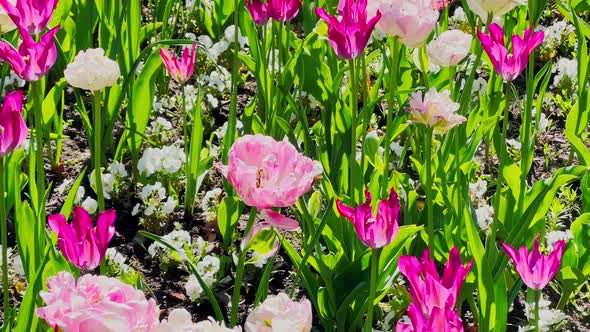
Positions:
(92, 70)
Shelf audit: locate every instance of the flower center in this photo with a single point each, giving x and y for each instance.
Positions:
(259, 177)
(1, 130)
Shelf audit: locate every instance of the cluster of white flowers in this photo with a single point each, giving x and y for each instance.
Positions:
(164, 104)
(548, 317)
(116, 260)
(161, 130)
(555, 35)
(210, 203)
(155, 202)
(220, 132)
(483, 212)
(567, 74)
(207, 269)
(112, 179)
(16, 271)
(108, 183)
(88, 203)
(12, 80)
(169, 159)
(555, 236)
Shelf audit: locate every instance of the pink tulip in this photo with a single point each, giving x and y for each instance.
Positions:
(267, 173)
(350, 35)
(79, 242)
(536, 269)
(435, 110)
(439, 320)
(32, 60)
(410, 20)
(280, 313)
(30, 15)
(96, 303)
(13, 129)
(279, 10)
(428, 290)
(374, 232)
(182, 69)
(440, 4)
(509, 65)
(278, 220)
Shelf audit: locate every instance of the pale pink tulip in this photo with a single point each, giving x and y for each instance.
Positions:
(96, 303)
(267, 173)
(536, 269)
(410, 20)
(495, 7)
(180, 320)
(509, 65)
(449, 48)
(79, 242)
(181, 69)
(435, 110)
(374, 231)
(30, 15)
(278, 220)
(280, 313)
(439, 320)
(13, 129)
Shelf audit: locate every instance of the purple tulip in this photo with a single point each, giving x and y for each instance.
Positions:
(181, 69)
(30, 15)
(536, 269)
(439, 320)
(279, 10)
(349, 36)
(13, 129)
(79, 242)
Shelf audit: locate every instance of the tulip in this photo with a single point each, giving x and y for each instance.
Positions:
(440, 4)
(410, 20)
(91, 70)
(435, 110)
(96, 303)
(449, 48)
(79, 242)
(374, 232)
(350, 35)
(536, 269)
(255, 231)
(279, 10)
(280, 313)
(278, 220)
(267, 173)
(32, 60)
(483, 8)
(439, 320)
(258, 11)
(428, 290)
(182, 69)
(509, 65)
(30, 15)
(13, 129)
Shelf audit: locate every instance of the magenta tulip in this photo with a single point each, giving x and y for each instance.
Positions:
(13, 129)
(428, 290)
(374, 232)
(79, 242)
(536, 269)
(182, 69)
(30, 15)
(258, 11)
(32, 60)
(279, 10)
(439, 320)
(350, 35)
(509, 65)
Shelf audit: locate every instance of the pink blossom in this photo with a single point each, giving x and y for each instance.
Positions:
(374, 232)
(449, 48)
(435, 110)
(440, 4)
(278, 220)
(30, 15)
(13, 129)
(32, 60)
(509, 65)
(350, 35)
(267, 173)
(279, 10)
(181, 69)
(439, 320)
(536, 269)
(96, 303)
(79, 242)
(428, 290)
(280, 313)
(410, 20)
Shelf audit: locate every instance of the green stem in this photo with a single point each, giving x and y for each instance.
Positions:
(5, 287)
(353, 139)
(97, 114)
(502, 155)
(231, 122)
(366, 112)
(394, 49)
(235, 300)
(185, 139)
(537, 294)
(372, 288)
(36, 89)
(428, 189)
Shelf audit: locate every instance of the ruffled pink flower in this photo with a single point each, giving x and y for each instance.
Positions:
(428, 290)
(278, 220)
(439, 320)
(181, 69)
(435, 110)
(280, 313)
(374, 232)
(350, 35)
(279, 10)
(449, 48)
(79, 242)
(32, 60)
(96, 303)
(267, 173)
(30, 15)
(509, 65)
(410, 20)
(13, 129)
(536, 269)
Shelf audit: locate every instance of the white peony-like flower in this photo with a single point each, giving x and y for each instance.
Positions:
(280, 313)
(92, 70)
(449, 48)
